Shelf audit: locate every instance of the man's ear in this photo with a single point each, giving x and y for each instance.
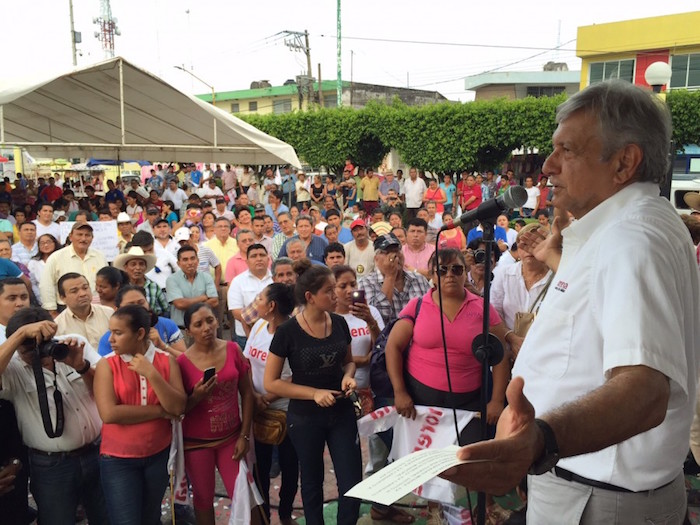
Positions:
(627, 161)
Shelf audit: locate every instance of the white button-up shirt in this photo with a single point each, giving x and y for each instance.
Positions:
(64, 261)
(509, 294)
(243, 290)
(626, 293)
(414, 191)
(82, 421)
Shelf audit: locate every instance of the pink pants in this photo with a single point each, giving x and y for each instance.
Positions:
(200, 465)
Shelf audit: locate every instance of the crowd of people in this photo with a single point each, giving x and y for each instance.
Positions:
(235, 294)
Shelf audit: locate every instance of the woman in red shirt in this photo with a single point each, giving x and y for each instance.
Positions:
(138, 390)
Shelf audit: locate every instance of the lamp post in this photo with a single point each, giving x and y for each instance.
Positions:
(657, 76)
(213, 93)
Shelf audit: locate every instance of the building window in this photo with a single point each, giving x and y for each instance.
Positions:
(235, 108)
(283, 105)
(622, 69)
(252, 106)
(330, 101)
(544, 91)
(685, 71)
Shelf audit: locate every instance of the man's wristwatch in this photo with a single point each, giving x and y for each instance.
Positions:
(85, 368)
(550, 454)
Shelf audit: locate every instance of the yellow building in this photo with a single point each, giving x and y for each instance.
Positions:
(625, 49)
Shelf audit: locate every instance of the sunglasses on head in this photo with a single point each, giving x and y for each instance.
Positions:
(455, 269)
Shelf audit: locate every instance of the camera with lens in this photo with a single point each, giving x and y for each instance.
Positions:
(52, 348)
(480, 256)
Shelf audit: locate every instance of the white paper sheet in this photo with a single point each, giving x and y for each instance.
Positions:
(402, 476)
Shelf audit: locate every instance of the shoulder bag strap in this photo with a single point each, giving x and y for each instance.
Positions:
(541, 295)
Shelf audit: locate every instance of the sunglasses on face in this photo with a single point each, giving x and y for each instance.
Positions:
(455, 269)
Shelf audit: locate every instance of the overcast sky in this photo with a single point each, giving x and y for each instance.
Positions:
(231, 43)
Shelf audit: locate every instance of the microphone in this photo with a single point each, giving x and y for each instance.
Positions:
(513, 197)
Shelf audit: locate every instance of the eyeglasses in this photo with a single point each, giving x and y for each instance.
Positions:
(455, 269)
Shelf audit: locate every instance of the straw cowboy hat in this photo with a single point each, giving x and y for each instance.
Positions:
(135, 252)
(692, 199)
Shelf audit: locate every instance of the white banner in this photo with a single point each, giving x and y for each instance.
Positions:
(105, 237)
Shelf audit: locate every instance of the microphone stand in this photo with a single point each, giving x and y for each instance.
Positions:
(487, 350)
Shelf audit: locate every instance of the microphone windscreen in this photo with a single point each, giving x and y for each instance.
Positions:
(515, 196)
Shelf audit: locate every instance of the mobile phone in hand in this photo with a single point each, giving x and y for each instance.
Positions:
(208, 374)
(358, 296)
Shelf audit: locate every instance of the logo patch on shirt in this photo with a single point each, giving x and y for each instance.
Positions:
(561, 286)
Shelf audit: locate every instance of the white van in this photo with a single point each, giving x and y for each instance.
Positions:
(681, 184)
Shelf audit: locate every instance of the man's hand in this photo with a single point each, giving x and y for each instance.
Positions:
(8, 473)
(517, 445)
(41, 331)
(546, 248)
(75, 353)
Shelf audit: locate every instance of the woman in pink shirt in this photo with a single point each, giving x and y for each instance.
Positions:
(215, 435)
(420, 378)
(137, 390)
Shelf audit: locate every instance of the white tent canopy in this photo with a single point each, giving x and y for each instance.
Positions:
(118, 111)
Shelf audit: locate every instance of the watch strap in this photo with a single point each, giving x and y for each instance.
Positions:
(550, 453)
(85, 368)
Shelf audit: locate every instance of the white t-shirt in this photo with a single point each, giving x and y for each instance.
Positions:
(242, 292)
(362, 342)
(533, 196)
(256, 350)
(54, 229)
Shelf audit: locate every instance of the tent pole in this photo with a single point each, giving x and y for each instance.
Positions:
(2, 124)
(216, 140)
(121, 99)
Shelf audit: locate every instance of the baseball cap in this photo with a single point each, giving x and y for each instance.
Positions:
(80, 226)
(123, 217)
(161, 220)
(220, 200)
(182, 234)
(356, 223)
(314, 207)
(383, 242)
(152, 210)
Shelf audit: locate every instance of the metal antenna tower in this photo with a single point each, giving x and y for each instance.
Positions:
(107, 28)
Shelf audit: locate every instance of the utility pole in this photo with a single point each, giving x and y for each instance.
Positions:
(339, 80)
(320, 87)
(72, 33)
(295, 43)
(352, 63)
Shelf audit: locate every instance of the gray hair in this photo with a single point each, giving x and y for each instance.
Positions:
(627, 114)
(294, 240)
(281, 261)
(241, 232)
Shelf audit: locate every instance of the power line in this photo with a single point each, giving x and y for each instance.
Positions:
(649, 45)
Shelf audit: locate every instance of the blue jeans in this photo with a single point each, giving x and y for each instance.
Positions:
(134, 487)
(310, 434)
(60, 482)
